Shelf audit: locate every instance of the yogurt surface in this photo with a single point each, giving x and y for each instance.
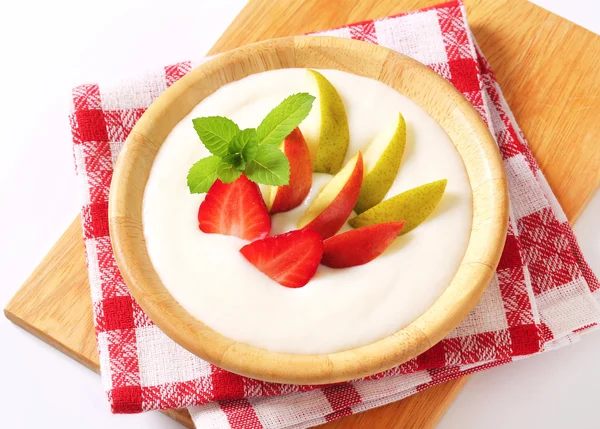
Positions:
(338, 309)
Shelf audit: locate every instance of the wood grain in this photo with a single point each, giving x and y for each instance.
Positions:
(537, 59)
(61, 313)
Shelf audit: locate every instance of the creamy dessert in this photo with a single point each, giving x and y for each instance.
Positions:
(354, 279)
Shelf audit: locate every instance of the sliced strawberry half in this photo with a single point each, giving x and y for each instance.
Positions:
(359, 246)
(291, 259)
(235, 209)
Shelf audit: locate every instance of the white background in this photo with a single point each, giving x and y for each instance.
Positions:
(46, 48)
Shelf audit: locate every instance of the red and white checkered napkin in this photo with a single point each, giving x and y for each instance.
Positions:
(542, 296)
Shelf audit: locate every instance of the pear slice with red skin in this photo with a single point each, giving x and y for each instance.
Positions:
(284, 198)
(332, 207)
(359, 246)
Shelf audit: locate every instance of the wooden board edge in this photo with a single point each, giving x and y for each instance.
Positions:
(411, 411)
(21, 323)
(585, 203)
(181, 416)
(453, 389)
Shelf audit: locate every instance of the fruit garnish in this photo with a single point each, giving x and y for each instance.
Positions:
(235, 209)
(328, 137)
(286, 197)
(330, 210)
(412, 207)
(253, 152)
(359, 246)
(278, 155)
(381, 163)
(291, 259)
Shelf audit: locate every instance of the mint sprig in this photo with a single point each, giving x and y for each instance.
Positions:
(270, 166)
(254, 152)
(227, 173)
(203, 174)
(282, 120)
(245, 143)
(215, 132)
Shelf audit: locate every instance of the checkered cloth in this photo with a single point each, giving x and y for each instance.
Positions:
(542, 296)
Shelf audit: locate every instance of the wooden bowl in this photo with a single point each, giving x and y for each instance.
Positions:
(446, 105)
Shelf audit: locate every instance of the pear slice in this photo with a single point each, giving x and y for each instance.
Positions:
(284, 198)
(330, 209)
(326, 128)
(412, 207)
(381, 163)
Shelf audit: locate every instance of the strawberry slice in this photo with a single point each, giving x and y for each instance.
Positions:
(235, 209)
(359, 246)
(291, 259)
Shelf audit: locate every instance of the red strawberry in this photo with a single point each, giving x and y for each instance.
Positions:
(359, 246)
(235, 209)
(291, 259)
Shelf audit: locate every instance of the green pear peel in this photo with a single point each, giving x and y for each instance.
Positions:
(382, 161)
(412, 207)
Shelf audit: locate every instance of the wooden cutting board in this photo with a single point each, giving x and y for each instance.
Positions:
(549, 70)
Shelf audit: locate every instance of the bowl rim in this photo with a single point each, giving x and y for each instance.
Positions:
(439, 98)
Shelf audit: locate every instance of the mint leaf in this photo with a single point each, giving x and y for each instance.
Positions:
(236, 160)
(215, 132)
(282, 120)
(203, 174)
(227, 173)
(269, 167)
(245, 143)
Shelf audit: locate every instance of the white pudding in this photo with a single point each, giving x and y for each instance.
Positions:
(338, 309)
